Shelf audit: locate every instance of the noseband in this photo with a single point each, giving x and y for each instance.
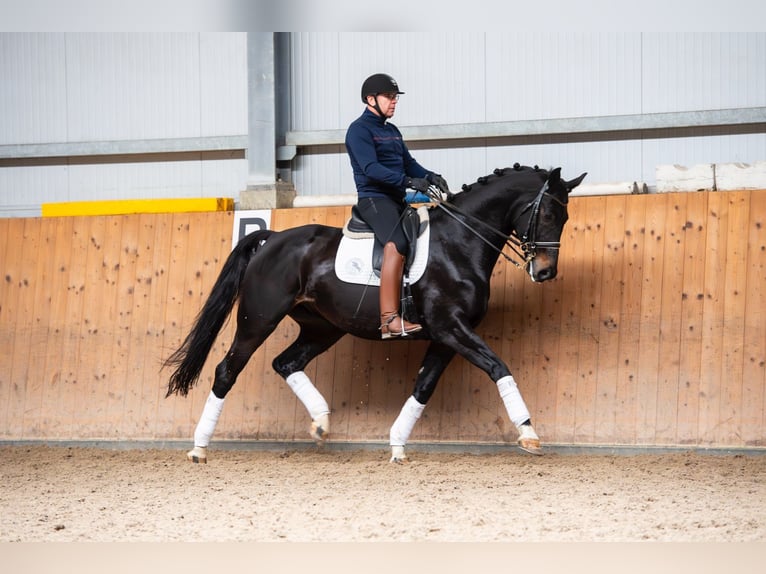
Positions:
(526, 246)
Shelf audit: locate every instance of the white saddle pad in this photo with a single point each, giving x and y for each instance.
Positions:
(353, 262)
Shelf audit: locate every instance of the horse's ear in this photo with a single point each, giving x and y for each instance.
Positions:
(570, 185)
(554, 176)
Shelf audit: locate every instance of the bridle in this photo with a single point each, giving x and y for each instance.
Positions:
(526, 246)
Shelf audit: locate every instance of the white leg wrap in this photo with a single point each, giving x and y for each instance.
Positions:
(208, 420)
(308, 394)
(405, 422)
(514, 404)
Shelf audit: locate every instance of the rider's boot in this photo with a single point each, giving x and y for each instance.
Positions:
(391, 324)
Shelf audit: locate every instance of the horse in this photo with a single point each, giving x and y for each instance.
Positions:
(274, 274)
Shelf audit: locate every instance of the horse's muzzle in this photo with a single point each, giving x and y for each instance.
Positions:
(542, 267)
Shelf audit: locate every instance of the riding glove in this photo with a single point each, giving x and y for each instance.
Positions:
(438, 181)
(417, 183)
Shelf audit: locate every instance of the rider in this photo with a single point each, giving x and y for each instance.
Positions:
(383, 168)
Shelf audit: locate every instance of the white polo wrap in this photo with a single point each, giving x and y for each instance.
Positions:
(514, 404)
(208, 420)
(405, 422)
(308, 394)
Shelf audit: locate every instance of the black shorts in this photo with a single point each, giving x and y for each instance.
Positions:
(384, 215)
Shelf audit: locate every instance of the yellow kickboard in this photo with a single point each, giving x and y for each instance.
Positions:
(127, 206)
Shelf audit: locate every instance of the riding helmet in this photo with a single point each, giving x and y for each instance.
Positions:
(379, 84)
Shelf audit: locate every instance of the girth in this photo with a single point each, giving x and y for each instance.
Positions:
(413, 227)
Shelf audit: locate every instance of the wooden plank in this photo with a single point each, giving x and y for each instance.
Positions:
(125, 260)
(552, 310)
(154, 251)
(27, 401)
(8, 245)
(590, 294)
(692, 304)
(626, 392)
(712, 314)
(41, 277)
(609, 311)
(132, 314)
(60, 262)
(97, 333)
(174, 418)
(185, 306)
(729, 429)
(666, 428)
(135, 206)
(754, 348)
(573, 261)
(15, 271)
(73, 381)
(649, 332)
(193, 301)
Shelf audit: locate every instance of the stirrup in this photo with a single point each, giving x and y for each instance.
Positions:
(388, 333)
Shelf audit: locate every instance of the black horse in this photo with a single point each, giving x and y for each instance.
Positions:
(292, 272)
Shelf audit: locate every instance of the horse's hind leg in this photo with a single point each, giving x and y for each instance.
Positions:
(226, 373)
(316, 336)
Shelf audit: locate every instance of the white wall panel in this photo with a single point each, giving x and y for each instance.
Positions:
(223, 84)
(59, 88)
(133, 86)
(33, 95)
(562, 75)
(703, 71)
(491, 77)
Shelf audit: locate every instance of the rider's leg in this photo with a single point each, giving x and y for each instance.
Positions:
(391, 270)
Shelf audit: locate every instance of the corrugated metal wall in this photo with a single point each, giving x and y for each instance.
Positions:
(105, 87)
(485, 77)
(63, 88)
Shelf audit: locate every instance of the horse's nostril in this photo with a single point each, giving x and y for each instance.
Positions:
(545, 274)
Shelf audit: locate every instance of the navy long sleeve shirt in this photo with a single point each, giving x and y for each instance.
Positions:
(379, 157)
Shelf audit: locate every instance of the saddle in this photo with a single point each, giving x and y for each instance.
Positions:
(412, 224)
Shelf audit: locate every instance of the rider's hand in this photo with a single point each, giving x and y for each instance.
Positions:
(417, 183)
(438, 181)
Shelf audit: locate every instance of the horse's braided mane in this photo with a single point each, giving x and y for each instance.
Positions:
(497, 173)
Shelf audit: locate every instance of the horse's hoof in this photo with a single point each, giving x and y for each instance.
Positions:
(398, 456)
(320, 428)
(529, 441)
(197, 455)
(531, 446)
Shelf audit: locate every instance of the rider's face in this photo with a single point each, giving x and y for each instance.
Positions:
(386, 103)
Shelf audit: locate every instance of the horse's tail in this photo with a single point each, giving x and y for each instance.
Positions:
(190, 357)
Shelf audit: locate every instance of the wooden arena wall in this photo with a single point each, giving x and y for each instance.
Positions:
(654, 333)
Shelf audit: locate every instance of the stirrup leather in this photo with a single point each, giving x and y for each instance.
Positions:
(387, 333)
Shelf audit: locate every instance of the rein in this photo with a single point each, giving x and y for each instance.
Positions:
(526, 246)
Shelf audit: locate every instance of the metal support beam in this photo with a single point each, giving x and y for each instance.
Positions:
(123, 147)
(261, 153)
(595, 124)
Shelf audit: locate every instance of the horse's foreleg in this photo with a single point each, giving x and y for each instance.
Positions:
(436, 359)
(466, 342)
(519, 414)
